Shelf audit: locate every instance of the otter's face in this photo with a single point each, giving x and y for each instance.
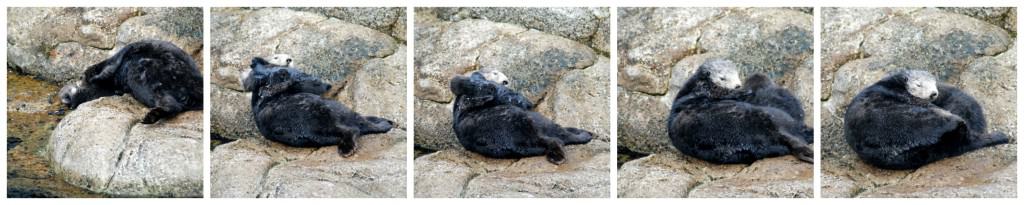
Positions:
(727, 79)
(496, 76)
(722, 73)
(922, 85)
(79, 92)
(281, 60)
(68, 93)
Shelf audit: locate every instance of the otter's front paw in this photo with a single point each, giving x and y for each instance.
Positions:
(805, 154)
(556, 157)
(151, 117)
(347, 151)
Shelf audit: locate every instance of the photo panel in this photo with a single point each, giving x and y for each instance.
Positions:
(512, 102)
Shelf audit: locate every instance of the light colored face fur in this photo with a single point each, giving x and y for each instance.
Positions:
(723, 73)
(922, 85)
(70, 90)
(495, 76)
(281, 60)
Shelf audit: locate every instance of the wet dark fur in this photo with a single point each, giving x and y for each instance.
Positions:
(727, 126)
(288, 108)
(495, 121)
(156, 73)
(891, 129)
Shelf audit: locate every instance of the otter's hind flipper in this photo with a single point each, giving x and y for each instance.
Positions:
(797, 146)
(347, 140)
(576, 136)
(374, 125)
(554, 149)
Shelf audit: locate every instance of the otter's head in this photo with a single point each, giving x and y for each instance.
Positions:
(721, 73)
(919, 84)
(252, 77)
(79, 92)
(495, 76)
(283, 60)
(69, 93)
(261, 66)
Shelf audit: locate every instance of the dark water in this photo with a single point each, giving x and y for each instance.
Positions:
(33, 110)
(625, 155)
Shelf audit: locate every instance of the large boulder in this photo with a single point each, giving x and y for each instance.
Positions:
(585, 25)
(261, 168)
(122, 157)
(457, 173)
(57, 44)
(959, 46)
(390, 20)
(669, 175)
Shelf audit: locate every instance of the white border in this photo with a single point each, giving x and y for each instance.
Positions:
(613, 101)
(208, 103)
(410, 87)
(3, 84)
(816, 102)
(410, 52)
(510, 3)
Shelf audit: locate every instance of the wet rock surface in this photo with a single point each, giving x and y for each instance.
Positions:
(125, 158)
(360, 51)
(659, 48)
(65, 153)
(565, 76)
(971, 48)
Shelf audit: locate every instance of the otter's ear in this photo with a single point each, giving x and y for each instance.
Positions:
(758, 80)
(477, 75)
(459, 85)
(257, 61)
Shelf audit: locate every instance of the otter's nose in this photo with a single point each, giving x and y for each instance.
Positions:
(933, 95)
(504, 82)
(736, 87)
(288, 60)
